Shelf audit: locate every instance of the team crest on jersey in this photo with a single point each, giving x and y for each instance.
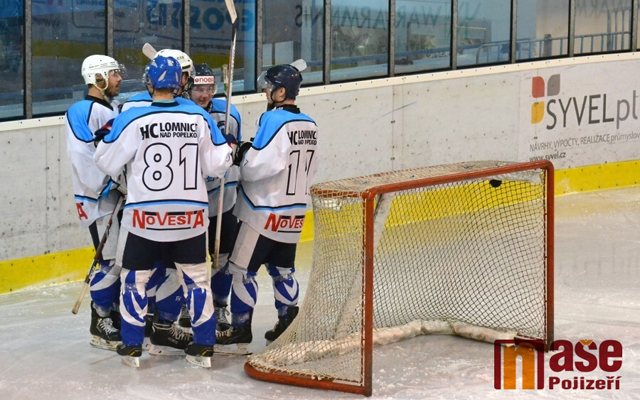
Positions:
(284, 223)
(168, 221)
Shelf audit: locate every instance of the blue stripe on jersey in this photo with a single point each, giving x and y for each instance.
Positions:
(158, 202)
(271, 122)
(184, 106)
(220, 106)
(285, 207)
(226, 185)
(85, 198)
(78, 118)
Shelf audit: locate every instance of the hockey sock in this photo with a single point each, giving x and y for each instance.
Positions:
(199, 301)
(244, 293)
(169, 296)
(221, 282)
(133, 306)
(104, 287)
(285, 288)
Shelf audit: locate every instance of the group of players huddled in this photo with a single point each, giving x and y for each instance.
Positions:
(165, 151)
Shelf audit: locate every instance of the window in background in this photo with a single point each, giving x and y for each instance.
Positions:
(293, 29)
(137, 22)
(211, 41)
(360, 39)
(484, 31)
(602, 26)
(63, 34)
(423, 35)
(543, 29)
(11, 59)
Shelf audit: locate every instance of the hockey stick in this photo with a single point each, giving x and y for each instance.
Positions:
(232, 55)
(98, 255)
(149, 51)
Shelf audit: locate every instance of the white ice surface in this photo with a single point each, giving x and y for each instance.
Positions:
(45, 351)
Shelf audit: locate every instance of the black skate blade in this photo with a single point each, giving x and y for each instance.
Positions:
(232, 349)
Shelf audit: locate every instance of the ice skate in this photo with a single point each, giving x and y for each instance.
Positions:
(282, 325)
(185, 319)
(103, 334)
(199, 354)
(167, 339)
(240, 336)
(130, 354)
(222, 321)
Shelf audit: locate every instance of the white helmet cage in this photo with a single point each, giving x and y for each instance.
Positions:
(99, 64)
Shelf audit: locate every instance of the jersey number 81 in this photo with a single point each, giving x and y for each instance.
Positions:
(158, 175)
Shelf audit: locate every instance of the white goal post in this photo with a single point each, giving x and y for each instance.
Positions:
(464, 249)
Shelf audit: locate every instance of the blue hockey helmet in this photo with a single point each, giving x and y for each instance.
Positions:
(286, 76)
(163, 72)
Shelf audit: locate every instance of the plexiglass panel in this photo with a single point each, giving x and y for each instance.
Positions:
(543, 29)
(484, 31)
(360, 39)
(11, 59)
(211, 40)
(602, 26)
(423, 35)
(137, 22)
(64, 33)
(293, 29)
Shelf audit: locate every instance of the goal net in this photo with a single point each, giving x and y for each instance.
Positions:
(463, 249)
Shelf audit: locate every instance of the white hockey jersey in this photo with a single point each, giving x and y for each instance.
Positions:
(168, 149)
(276, 174)
(90, 185)
(218, 109)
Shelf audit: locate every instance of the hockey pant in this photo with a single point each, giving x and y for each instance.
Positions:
(105, 282)
(199, 299)
(244, 291)
(221, 281)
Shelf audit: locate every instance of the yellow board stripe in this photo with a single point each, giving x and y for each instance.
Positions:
(73, 265)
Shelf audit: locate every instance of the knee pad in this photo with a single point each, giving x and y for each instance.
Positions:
(280, 273)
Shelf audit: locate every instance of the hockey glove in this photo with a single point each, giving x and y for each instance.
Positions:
(102, 132)
(242, 149)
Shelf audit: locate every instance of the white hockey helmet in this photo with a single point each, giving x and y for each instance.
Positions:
(99, 64)
(185, 61)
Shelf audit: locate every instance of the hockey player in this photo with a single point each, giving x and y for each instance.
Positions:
(202, 94)
(186, 80)
(276, 172)
(163, 290)
(94, 199)
(167, 149)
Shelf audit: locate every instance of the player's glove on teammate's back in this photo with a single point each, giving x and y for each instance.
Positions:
(242, 148)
